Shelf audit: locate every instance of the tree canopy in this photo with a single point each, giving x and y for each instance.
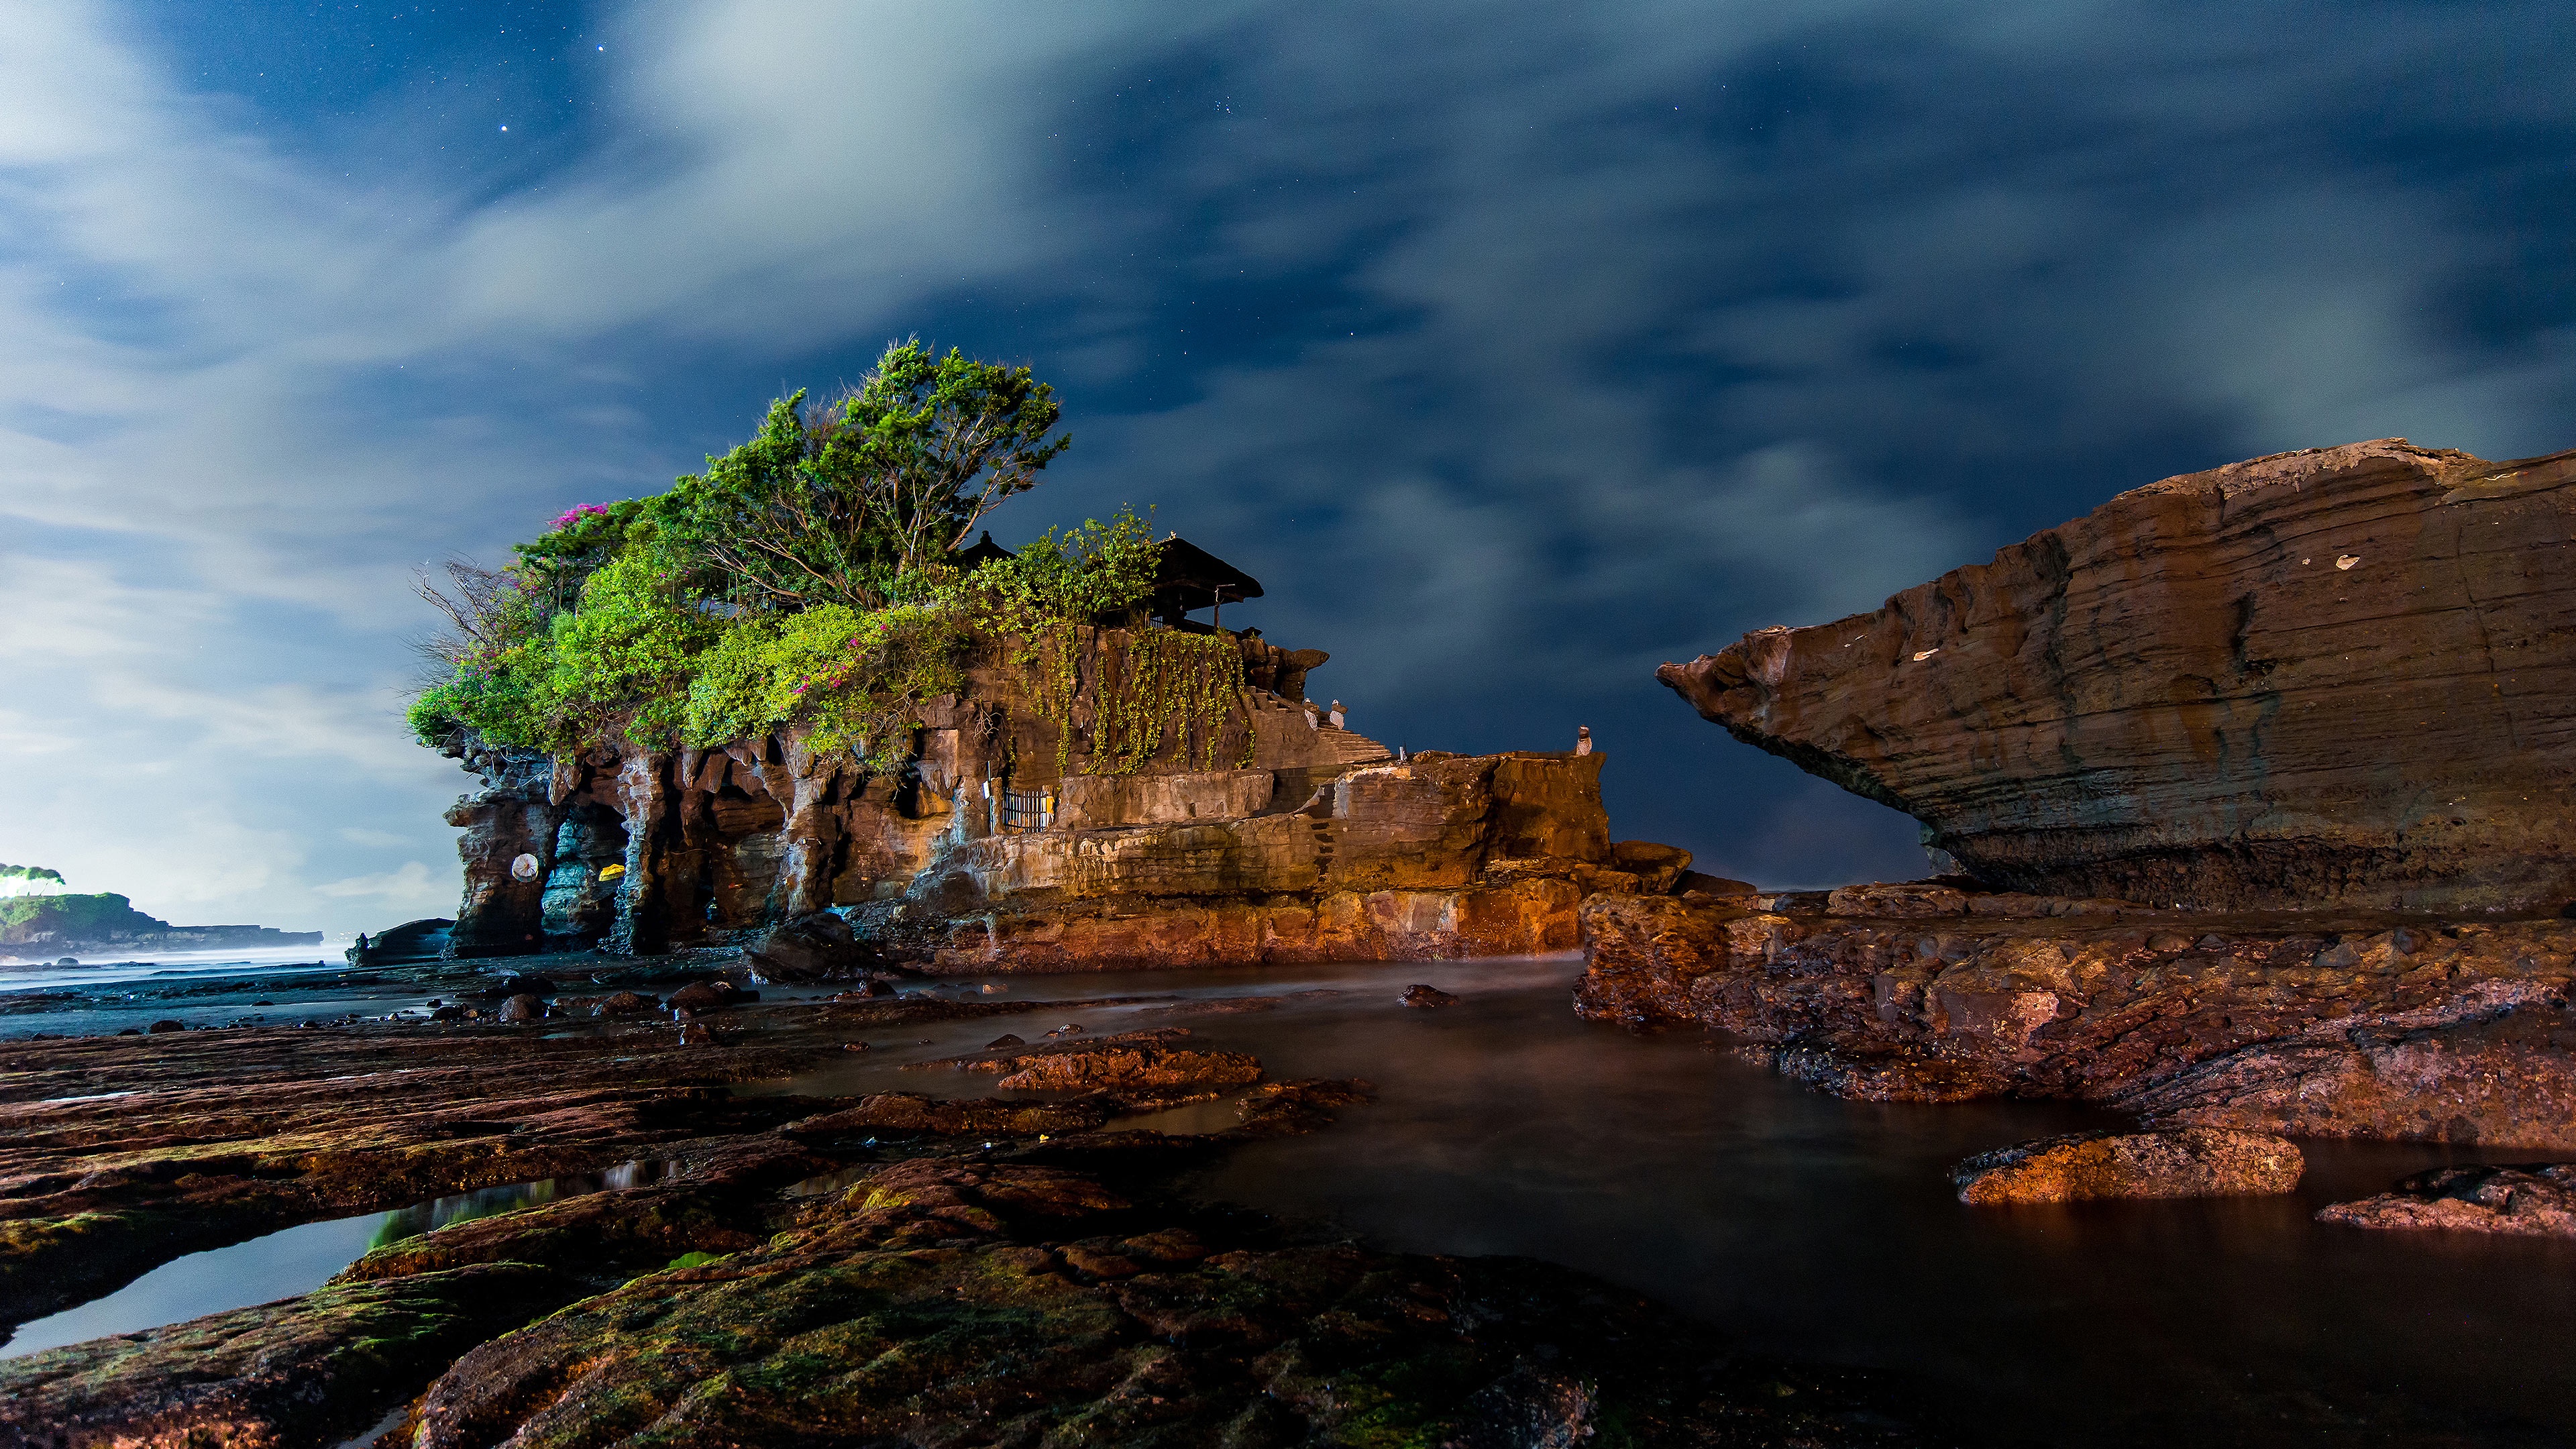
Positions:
(810, 575)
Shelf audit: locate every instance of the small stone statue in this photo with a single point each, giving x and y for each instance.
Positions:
(1335, 715)
(1583, 739)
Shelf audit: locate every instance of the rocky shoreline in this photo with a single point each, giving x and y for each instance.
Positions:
(2348, 1026)
(1021, 1259)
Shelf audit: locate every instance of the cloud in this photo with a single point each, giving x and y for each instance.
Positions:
(411, 885)
(1516, 350)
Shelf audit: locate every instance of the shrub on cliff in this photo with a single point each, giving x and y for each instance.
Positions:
(809, 576)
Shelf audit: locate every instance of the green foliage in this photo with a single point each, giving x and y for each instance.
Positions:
(78, 918)
(859, 678)
(854, 503)
(1090, 572)
(1161, 680)
(807, 579)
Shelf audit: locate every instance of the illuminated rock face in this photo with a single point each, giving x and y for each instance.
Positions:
(1306, 843)
(2342, 677)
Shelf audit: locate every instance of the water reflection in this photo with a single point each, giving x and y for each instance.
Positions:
(464, 1207)
(295, 1260)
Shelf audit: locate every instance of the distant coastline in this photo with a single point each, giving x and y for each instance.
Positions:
(49, 925)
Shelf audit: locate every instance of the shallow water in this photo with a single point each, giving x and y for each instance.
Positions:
(158, 967)
(1822, 1230)
(295, 1260)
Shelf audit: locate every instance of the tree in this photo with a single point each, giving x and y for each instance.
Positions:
(846, 504)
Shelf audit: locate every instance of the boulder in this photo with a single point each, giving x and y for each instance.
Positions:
(1123, 1068)
(2534, 1200)
(1656, 867)
(2187, 1162)
(816, 947)
(2338, 677)
(1911, 898)
(1419, 995)
(525, 1006)
(162, 1026)
(1712, 885)
(424, 940)
(621, 1003)
(702, 996)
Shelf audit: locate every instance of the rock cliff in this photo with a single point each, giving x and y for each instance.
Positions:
(2342, 677)
(1266, 835)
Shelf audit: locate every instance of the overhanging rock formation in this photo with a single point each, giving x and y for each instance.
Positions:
(2339, 677)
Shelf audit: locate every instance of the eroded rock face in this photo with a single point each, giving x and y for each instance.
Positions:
(2309, 1026)
(1258, 834)
(2534, 1200)
(2337, 678)
(2187, 1162)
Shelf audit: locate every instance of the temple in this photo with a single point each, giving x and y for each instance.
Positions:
(1177, 802)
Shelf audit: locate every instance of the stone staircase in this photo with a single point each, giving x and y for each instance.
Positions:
(1342, 749)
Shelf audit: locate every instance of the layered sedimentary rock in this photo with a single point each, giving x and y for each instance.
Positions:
(2343, 677)
(1263, 835)
(2183, 1162)
(2320, 1026)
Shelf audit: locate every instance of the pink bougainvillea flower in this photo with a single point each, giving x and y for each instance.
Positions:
(580, 511)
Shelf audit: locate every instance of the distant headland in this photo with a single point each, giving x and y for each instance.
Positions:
(40, 920)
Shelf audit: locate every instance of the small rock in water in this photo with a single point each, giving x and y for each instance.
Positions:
(263, 1003)
(68, 961)
(697, 1034)
(2535, 1199)
(1070, 1028)
(2184, 1162)
(992, 988)
(854, 1046)
(132, 1031)
(622, 1001)
(1419, 995)
(447, 1013)
(524, 1007)
(1006, 1039)
(161, 1026)
(703, 996)
(816, 947)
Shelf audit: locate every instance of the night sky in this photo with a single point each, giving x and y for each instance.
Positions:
(1516, 349)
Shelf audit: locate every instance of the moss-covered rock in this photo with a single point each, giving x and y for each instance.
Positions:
(302, 1371)
(994, 1303)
